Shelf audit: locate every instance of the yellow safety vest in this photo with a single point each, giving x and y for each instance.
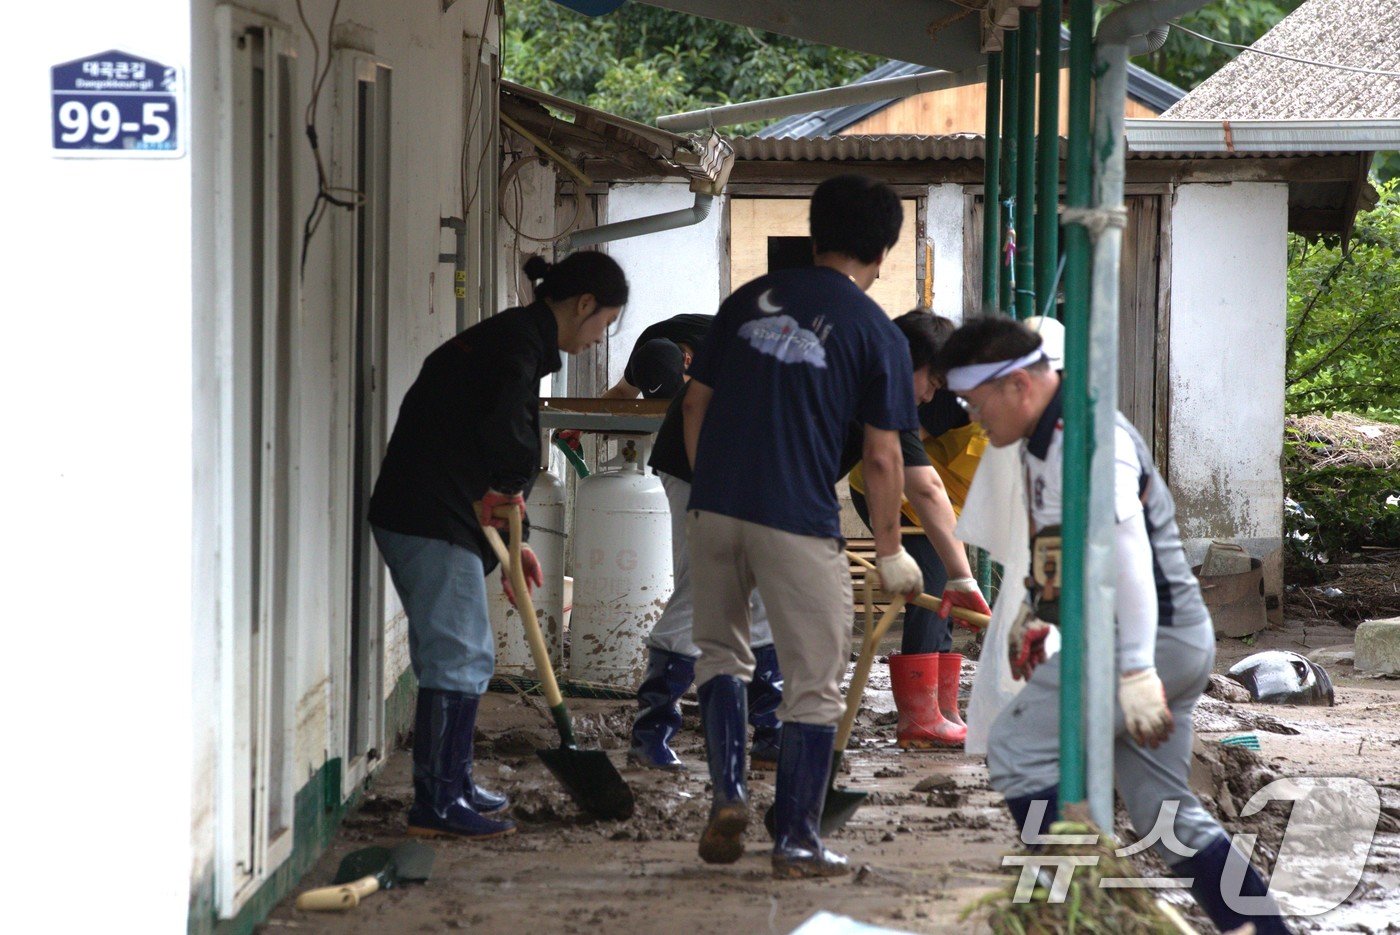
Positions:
(955, 455)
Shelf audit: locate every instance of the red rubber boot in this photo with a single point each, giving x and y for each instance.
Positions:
(949, 680)
(915, 680)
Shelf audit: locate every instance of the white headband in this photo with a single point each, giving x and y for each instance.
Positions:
(966, 379)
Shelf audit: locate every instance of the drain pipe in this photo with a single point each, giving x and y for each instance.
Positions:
(636, 227)
(1123, 30)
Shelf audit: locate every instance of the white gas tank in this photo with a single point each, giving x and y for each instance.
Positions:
(545, 507)
(622, 573)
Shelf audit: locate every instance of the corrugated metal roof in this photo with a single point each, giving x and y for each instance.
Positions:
(889, 148)
(1360, 33)
(1143, 86)
(858, 148)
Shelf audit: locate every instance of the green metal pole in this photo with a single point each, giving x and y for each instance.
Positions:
(991, 187)
(1079, 430)
(1010, 108)
(1025, 166)
(1047, 215)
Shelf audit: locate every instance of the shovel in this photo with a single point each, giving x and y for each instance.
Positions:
(841, 804)
(367, 871)
(969, 618)
(588, 775)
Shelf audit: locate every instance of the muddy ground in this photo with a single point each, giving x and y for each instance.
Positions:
(927, 846)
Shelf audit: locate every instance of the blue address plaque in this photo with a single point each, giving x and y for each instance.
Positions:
(115, 104)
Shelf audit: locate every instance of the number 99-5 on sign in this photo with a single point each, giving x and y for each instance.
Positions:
(104, 123)
(115, 104)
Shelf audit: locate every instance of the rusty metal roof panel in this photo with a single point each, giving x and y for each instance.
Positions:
(858, 148)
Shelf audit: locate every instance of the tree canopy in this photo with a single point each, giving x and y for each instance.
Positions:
(642, 61)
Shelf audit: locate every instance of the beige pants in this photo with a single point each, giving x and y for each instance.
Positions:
(805, 583)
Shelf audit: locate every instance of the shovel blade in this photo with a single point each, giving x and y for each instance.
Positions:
(840, 805)
(413, 861)
(592, 781)
(367, 861)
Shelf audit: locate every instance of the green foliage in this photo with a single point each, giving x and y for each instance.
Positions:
(642, 61)
(1344, 318)
(1343, 326)
(1187, 61)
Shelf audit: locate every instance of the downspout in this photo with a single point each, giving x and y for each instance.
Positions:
(1125, 28)
(636, 227)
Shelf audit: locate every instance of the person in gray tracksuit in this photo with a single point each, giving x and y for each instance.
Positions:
(1165, 642)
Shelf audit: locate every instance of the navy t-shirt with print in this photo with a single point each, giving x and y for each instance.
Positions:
(793, 358)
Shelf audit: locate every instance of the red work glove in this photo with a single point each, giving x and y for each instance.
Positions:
(964, 593)
(493, 499)
(1026, 644)
(571, 437)
(534, 574)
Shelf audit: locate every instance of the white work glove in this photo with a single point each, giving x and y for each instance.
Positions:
(1145, 711)
(899, 573)
(1025, 643)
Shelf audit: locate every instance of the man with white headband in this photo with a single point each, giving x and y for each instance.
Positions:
(1165, 643)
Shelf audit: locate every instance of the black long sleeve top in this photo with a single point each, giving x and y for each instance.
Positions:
(469, 423)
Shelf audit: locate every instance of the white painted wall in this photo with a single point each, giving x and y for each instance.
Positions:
(1228, 306)
(669, 273)
(424, 46)
(943, 226)
(97, 281)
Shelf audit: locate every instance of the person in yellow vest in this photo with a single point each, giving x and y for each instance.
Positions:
(925, 674)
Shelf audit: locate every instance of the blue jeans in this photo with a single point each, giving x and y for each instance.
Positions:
(924, 630)
(443, 589)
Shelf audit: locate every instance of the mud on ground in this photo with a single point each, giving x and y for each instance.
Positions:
(928, 844)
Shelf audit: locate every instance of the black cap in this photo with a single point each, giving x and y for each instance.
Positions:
(657, 369)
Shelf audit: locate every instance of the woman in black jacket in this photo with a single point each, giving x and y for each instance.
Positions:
(468, 432)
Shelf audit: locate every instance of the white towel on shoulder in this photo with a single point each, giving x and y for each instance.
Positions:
(994, 518)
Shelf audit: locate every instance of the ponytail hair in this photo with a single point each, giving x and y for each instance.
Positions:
(586, 272)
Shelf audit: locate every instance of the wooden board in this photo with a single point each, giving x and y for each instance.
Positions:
(958, 110)
(753, 220)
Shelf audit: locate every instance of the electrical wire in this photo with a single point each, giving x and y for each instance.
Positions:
(1288, 58)
(327, 195)
(511, 179)
(473, 118)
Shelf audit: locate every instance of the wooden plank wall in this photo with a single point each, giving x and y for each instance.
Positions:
(1142, 319)
(956, 110)
(753, 220)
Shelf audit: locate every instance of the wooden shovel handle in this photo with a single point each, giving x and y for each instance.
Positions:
(511, 559)
(927, 601)
(873, 635)
(338, 898)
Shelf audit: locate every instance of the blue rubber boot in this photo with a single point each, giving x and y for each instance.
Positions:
(1208, 868)
(481, 800)
(441, 750)
(1020, 808)
(765, 694)
(804, 770)
(667, 677)
(722, 715)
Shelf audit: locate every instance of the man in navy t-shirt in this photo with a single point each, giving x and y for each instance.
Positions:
(792, 358)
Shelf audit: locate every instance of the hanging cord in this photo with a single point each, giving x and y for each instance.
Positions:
(326, 194)
(473, 120)
(1287, 58)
